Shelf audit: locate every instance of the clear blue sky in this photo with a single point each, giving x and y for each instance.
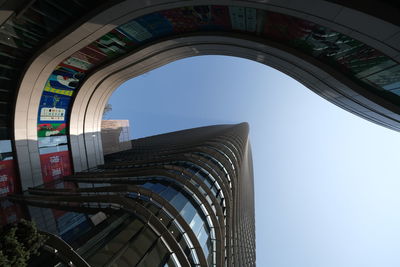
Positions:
(327, 182)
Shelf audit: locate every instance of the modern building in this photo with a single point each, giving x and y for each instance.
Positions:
(179, 199)
(60, 61)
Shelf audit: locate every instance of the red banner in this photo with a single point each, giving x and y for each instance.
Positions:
(55, 165)
(8, 178)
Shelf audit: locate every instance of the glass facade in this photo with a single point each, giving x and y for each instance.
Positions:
(146, 206)
(191, 213)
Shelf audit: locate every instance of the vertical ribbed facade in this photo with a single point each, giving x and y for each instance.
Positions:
(179, 199)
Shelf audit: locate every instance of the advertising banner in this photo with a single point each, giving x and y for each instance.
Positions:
(156, 24)
(189, 19)
(51, 129)
(135, 31)
(8, 174)
(122, 39)
(243, 19)
(116, 42)
(53, 108)
(220, 17)
(282, 27)
(77, 62)
(93, 51)
(55, 100)
(181, 19)
(55, 165)
(8, 178)
(65, 79)
(110, 45)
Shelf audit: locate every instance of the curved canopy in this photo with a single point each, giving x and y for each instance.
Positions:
(342, 63)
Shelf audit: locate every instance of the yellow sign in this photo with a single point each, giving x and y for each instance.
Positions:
(48, 88)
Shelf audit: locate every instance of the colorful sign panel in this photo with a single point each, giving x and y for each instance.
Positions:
(55, 165)
(355, 59)
(53, 107)
(53, 116)
(51, 129)
(54, 157)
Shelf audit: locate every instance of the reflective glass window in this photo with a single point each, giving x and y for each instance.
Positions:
(188, 212)
(155, 256)
(387, 79)
(148, 186)
(196, 223)
(179, 201)
(175, 230)
(169, 193)
(142, 243)
(202, 236)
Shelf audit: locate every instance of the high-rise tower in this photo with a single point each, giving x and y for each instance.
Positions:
(178, 199)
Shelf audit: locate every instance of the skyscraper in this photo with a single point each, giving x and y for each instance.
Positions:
(178, 199)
